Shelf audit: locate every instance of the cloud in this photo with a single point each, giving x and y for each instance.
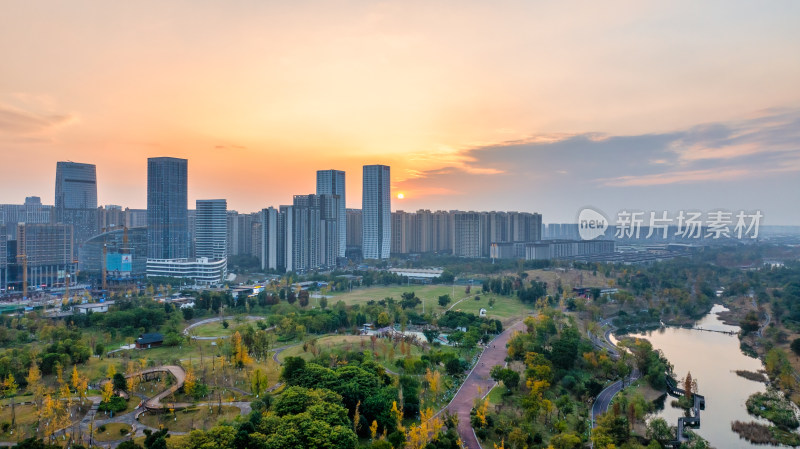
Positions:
(230, 147)
(18, 122)
(714, 152)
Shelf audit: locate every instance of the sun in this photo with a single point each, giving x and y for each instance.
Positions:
(400, 196)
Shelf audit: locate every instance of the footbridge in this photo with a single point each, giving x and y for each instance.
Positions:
(693, 421)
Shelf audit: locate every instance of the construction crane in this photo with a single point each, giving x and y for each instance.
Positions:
(66, 288)
(125, 249)
(105, 266)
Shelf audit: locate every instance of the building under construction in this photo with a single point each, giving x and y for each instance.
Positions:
(122, 252)
(44, 251)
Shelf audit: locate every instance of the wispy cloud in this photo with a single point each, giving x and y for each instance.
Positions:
(20, 122)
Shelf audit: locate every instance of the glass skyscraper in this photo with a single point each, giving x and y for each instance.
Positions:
(167, 219)
(376, 212)
(331, 182)
(76, 200)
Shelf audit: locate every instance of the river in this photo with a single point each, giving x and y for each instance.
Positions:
(712, 358)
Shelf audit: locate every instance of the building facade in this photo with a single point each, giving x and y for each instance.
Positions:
(211, 229)
(47, 250)
(332, 182)
(202, 271)
(376, 215)
(76, 200)
(167, 217)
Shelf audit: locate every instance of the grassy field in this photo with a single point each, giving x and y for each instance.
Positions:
(202, 417)
(25, 421)
(505, 308)
(346, 343)
(215, 329)
(113, 431)
(568, 278)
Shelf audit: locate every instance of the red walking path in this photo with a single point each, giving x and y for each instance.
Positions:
(462, 403)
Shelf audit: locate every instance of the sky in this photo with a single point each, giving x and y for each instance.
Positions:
(509, 105)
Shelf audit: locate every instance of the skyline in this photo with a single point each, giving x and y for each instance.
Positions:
(619, 105)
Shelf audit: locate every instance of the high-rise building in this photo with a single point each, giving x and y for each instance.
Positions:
(286, 238)
(211, 229)
(167, 221)
(135, 218)
(331, 182)
(76, 186)
(76, 200)
(376, 215)
(354, 227)
(110, 217)
(269, 238)
(3, 253)
(33, 212)
(306, 233)
(469, 235)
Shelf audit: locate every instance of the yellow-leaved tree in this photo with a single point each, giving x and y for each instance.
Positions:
(107, 392)
(190, 382)
(35, 382)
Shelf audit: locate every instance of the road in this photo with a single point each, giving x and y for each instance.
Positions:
(478, 384)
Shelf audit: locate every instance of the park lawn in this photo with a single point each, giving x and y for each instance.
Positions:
(173, 442)
(200, 417)
(429, 293)
(113, 432)
(25, 418)
(344, 343)
(569, 278)
(496, 395)
(215, 329)
(505, 308)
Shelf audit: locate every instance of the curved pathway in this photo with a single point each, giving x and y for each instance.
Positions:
(461, 404)
(603, 400)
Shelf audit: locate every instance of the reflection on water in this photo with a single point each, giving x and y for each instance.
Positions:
(712, 359)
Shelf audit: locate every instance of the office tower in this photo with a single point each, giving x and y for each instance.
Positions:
(76, 186)
(268, 219)
(76, 200)
(331, 182)
(211, 229)
(48, 251)
(376, 216)
(167, 222)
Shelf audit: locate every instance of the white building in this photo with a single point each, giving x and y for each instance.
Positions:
(202, 270)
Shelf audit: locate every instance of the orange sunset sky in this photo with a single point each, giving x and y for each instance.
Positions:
(509, 105)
